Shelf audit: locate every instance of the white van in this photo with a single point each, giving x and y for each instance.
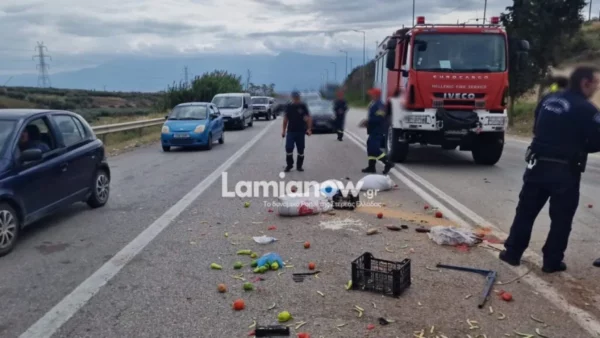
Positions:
(235, 108)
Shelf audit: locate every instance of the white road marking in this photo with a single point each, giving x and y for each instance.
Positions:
(68, 306)
(582, 317)
(526, 143)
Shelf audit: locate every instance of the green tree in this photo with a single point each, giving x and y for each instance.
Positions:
(549, 27)
(202, 89)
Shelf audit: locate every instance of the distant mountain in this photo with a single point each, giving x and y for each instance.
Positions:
(287, 71)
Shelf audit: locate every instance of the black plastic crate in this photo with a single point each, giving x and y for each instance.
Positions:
(381, 276)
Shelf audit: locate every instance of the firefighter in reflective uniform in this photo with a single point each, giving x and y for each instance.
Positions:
(340, 108)
(567, 129)
(296, 123)
(376, 128)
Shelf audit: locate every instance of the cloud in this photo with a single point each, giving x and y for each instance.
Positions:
(88, 32)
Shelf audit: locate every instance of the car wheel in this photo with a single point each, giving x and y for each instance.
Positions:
(10, 228)
(210, 142)
(243, 124)
(166, 148)
(100, 189)
(222, 138)
(251, 123)
(268, 116)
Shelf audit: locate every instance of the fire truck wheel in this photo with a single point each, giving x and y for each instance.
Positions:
(488, 147)
(398, 151)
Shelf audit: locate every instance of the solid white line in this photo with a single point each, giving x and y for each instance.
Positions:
(526, 143)
(583, 318)
(68, 306)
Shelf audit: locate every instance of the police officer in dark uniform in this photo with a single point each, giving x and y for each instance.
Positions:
(296, 123)
(559, 84)
(340, 108)
(376, 128)
(567, 129)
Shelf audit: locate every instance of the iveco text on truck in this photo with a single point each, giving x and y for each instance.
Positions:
(453, 84)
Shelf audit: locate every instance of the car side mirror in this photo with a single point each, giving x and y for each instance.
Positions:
(166, 117)
(31, 155)
(214, 115)
(245, 105)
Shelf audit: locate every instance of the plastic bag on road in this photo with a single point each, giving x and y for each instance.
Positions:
(376, 182)
(326, 188)
(264, 239)
(303, 205)
(444, 235)
(270, 258)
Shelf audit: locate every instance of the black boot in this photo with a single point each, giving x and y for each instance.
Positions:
(597, 263)
(554, 267)
(340, 135)
(506, 257)
(371, 167)
(289, 159)
(299, 162)
(387, 165)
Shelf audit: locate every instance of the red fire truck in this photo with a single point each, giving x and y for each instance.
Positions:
(452, 81)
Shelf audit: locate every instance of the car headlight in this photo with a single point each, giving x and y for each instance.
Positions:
(496, 120)
(199, 129)
(417, 119)
(237, 114)
(165, 129)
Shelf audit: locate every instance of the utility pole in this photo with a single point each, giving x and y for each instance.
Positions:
(327, 75)
(42, 66)
(185, 74)
(485, 10)
(351, 64)
(334, 71)
(590, 15)
(345, 52)
(248, 79)
(414, 13)
(104, 88)
(363, 70)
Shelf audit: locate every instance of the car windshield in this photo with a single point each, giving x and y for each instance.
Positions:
(462, 53)
(319, 106)
(228, 101)
(6, 130)
(189, 113)
(260, 100)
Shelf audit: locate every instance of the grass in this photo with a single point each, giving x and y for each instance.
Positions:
(120, 142)
(523, 118)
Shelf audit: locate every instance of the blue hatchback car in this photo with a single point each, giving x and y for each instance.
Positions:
(193, 124)
(48, 160)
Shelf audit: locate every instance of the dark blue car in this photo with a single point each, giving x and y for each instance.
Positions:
(48, 160)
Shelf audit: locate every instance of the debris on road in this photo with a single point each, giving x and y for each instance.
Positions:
(422, 229)
(490, 277)
(502, 316)
(540, 334)
(349, 285)
(321, 293)
(244, 252)
(222, 288)
(438, 214)
(272, 331)
(505, 296)
(306, 245)
(239, 305)
(253, 324)
(370, 327)
(248, 286)
(264, 239)
(536, 319)
(272, 227)
(393, 227)
(372, 231)
(380, 215)
(246, 204)
(382, 276)
(238, 265)
(284, 316)
(215, 266)
(311, 266)
(272, 306)
(299, 325)
(445, 235)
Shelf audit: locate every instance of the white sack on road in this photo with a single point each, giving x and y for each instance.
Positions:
(302, 206)
(444, 235)
(376, 182)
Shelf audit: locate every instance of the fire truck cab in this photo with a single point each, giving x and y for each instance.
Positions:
(451, 83)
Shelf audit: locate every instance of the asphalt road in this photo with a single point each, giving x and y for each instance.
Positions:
(140, 266)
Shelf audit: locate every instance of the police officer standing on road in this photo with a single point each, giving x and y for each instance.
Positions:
(297, 122)
(560, 83)
(376, 128)
(567, 129)
(340, 108)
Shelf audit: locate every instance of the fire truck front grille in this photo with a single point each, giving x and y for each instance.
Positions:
(470, 103)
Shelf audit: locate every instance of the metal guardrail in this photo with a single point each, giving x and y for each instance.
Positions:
(126, 126)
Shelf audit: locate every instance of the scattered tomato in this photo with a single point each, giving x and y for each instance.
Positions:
(270, 210)
(303, 335)
(272, 227)
(370, 327)
(239, 305)
(590, 206)
(222, 288)
(438, 214)
(380, 215)
(306, 245)
(426, 206)
(294, 188)
(506, 296)
(311, 266)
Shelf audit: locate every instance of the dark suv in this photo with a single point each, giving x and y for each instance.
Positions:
(48, 160)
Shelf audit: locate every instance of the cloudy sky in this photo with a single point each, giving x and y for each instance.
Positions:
(82, 33)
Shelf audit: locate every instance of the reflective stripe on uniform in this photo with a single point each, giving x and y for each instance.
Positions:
(554, 87)
(380, 156)
(289, 153)
(301, 155)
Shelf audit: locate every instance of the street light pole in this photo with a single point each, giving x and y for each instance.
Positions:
(327, 76)
(334, 71)
(413, 13)
(484, 10)
(364, 61)
(345, 52)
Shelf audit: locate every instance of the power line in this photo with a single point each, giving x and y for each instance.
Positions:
(42, 66)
